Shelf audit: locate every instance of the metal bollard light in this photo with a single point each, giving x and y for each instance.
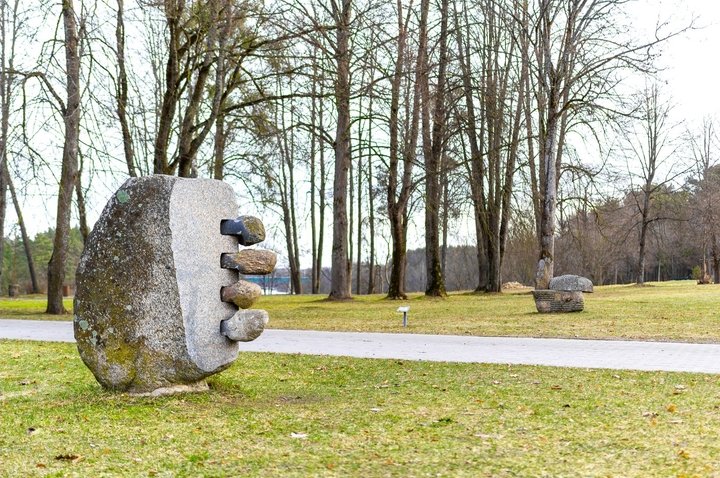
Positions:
(404, 309)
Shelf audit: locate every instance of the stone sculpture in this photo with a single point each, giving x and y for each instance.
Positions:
(156, 307)
(564, 295)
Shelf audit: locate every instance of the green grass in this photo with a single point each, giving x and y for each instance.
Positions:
(281, 415)
(31, 307)
(679, 310)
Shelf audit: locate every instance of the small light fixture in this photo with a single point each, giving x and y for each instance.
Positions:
(404, 309)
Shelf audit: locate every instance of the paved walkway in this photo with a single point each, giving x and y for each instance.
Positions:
(674, 357)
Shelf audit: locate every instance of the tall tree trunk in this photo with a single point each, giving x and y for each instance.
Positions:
(287, 199)
(68, 175)
(297, 277)
(351, 217)
(545, 268)
(82, 212)
(445, 223)
(716, 258)
(340, 277)
(360, 149)
(5, 98)
(173, 12)
(397, 202)
(314, 276)
(121, 95)
(549, 113)
(219, 148)
(433, 146)
(640, 279)
(371, 215)
(25, 237)
(476, 166)
(321, 196)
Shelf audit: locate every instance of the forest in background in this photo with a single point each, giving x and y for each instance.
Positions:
(498, 140)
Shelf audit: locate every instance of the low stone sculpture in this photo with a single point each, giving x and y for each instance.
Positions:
(157, 291)
(565, 294)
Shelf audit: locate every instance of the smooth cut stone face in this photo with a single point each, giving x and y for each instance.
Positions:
(197, 207)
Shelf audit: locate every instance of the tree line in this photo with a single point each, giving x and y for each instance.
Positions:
(358, 117)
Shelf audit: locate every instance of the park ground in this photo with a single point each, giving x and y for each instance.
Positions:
(288, 415)
(664, 311)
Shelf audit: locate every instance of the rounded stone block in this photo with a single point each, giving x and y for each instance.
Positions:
(242, 293)
(250, 261)
(147, 311)
(245, 325)
(571, 283)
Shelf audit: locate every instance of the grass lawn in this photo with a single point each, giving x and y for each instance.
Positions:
(30, 307)
(281, 415)
(679, 310)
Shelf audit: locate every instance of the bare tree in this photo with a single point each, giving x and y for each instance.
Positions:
(433, 145)
(121, 93)
(654, 151)
(68, 176)
(494, 134)
(25, 237)
(317, 175)
(340, 274)
(706, 183)
(8, 35)
(578, 50)
(398, 195)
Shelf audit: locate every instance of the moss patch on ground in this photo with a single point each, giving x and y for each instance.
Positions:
(282, 415)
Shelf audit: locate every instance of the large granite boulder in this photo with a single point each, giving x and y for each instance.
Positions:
(571, 283)
(148, 308)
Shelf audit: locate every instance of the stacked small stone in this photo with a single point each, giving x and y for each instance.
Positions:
(247, 324)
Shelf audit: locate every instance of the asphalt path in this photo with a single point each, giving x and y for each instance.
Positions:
(608, 354)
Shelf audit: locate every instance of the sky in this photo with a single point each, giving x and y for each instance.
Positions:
(689, 69)
(689, 63)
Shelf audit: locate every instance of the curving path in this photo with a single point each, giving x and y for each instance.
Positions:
(611, 354)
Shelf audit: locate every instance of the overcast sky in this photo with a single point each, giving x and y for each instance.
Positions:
(690, 61)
